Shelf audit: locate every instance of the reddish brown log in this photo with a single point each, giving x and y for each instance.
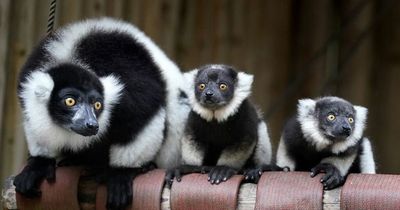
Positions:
(195, 192)
(147, 190)
(366, 191)
(289, 190)
(60, 195)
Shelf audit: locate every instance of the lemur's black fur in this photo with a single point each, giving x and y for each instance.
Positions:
(326, 136)
(105, 61)
(224, 133)
(214, 136)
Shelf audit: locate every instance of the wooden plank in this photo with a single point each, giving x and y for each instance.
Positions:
(356, 53)
(41, 14)
(221, 41)
(271, 52)
(186, 50)
(170, 27)
(153, 23)
(4, 35)
(93, 8)
(384, 87)
(68, 11)
(20, 44)
(331, 200)
(114, 8)
(133, 12)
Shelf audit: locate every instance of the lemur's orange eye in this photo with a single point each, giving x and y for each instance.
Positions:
(97, 105)
(351, 120)
(70, 102)
(223, 87)
(331, 117)
(202, 86)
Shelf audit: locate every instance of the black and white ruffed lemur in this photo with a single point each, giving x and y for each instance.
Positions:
(326, 136)
(225, 133)
(102, 94)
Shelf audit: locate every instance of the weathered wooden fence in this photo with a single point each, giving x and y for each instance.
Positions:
(350, 48)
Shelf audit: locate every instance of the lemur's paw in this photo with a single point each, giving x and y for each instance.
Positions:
(332, 177)
(252, 175)
(27, 183)
(170, 174)
(37, 169)
(119, 190)
(178, 172)
(220, 174)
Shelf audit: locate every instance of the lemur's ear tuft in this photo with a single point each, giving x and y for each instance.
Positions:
(190, 76)
(38, 85)
(361, 113)
(306, 106)
(245, 80)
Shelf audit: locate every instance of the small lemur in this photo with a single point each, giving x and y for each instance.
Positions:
(102, 94)
(224, 132)
(327, 136)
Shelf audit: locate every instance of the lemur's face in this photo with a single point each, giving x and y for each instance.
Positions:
(76, 101)
(336, 119)
(215, 86)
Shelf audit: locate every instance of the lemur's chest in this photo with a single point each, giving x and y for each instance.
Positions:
(217, 143)
(212, 139)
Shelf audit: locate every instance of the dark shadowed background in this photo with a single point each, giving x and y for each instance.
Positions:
(295, 49)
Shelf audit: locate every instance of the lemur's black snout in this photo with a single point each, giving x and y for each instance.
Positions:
(209, 94)
(346, 130)
(92, 126)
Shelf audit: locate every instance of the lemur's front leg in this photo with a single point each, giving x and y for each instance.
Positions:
(332, 177)
(119, 187)
(37, 169)
(335, 168)
(254, 174)
(178, 172)
(220, 174)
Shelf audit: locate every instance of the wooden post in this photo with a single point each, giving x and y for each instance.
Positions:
(4, 25)
(20, 43)
(384, 87)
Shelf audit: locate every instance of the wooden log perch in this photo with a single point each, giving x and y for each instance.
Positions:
(275, 190)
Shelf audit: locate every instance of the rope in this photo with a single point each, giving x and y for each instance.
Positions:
(52, 16)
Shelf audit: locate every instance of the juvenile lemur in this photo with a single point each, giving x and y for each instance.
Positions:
(326, 136)
(224, 131)
(100, 93)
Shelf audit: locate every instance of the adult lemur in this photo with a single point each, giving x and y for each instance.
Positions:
(101, 93)
(224, 132)
(327, 136)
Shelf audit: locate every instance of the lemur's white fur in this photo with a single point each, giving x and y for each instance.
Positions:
(236, 156)
(282, 157)
(192, 154)
(367, 163)
(46, 138)
(309, 124)
(143, 147)
(263, 151)
(343, 164)
(311, 131)
(242, 91)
